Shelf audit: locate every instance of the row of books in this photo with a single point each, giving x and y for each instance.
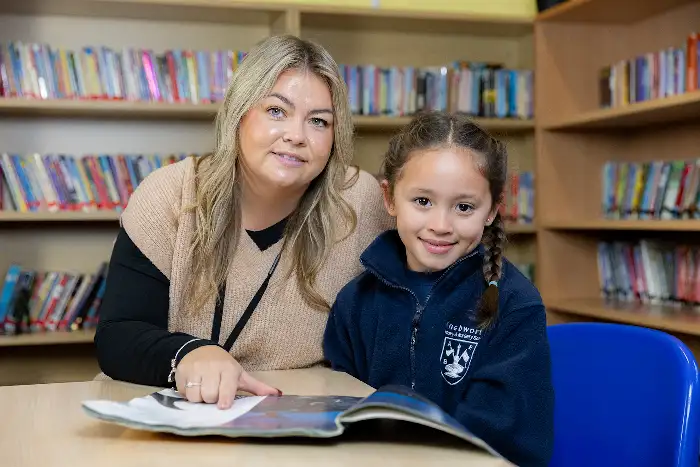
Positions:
(474, 88)
(43, 71)
(64, 182)
(39, 301)
(519, 198)
(651, 190)
(649, 272)
(653, 75)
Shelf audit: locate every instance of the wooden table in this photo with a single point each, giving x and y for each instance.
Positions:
(44, 426)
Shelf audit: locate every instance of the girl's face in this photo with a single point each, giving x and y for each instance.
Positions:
(286, 139)
(441, 203)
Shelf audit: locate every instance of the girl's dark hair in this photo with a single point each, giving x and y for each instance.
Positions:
(429, 130)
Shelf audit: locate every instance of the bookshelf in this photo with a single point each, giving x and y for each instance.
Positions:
(576, 136)
(78, 241)
(65, 108)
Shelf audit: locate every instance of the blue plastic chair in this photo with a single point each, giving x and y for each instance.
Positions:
(626, 396)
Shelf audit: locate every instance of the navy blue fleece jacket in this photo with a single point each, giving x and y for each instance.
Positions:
(393, 326)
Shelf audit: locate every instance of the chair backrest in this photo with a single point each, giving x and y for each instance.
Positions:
(624, 396)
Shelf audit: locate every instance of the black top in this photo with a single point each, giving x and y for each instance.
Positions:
(132, 340)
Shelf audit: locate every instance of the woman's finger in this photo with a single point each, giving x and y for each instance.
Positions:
(209, 390)
(193, 387)
(228, 386)
(256, 387)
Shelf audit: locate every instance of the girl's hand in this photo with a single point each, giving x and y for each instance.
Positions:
(216, 377)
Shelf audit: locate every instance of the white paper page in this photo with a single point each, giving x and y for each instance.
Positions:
(147, 410)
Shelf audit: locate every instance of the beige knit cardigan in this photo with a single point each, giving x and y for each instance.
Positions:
(283, 332)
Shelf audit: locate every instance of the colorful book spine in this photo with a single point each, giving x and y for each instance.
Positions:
(38, 301)
(518, 204)
(666, 190)
(473, 88)
(653, 75)
(64, 182)
(650, 272)
(42, 71)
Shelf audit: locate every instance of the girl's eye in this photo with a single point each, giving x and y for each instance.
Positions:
(275, 112)
(422, 201)
(319, 122)
(463, 207)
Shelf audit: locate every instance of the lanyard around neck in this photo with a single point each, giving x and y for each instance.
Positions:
(219, 311)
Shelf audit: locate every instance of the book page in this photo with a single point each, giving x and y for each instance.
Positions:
(169, 407)
(262, 416)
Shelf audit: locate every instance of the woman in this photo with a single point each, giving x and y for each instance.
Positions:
(269, 227)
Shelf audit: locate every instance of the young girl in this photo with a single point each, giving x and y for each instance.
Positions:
(438, 308)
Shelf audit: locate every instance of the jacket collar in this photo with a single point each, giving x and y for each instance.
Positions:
(385, 257)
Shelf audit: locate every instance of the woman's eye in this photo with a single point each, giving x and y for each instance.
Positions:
(422, 201)
(275, 112)
(319, 122)
(463, 207)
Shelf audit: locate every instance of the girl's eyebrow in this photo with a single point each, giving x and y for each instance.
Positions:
(429, 192)
(290, 104)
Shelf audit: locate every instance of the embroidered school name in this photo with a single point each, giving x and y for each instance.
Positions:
(458, 331)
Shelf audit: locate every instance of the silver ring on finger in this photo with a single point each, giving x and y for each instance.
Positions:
(191, 384)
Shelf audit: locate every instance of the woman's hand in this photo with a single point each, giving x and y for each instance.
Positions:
(216, 376)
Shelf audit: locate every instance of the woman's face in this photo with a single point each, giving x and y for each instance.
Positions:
(286, 139)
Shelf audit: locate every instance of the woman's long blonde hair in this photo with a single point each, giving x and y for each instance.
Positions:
(310, 230)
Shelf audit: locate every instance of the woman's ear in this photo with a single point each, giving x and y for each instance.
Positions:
(388, 198)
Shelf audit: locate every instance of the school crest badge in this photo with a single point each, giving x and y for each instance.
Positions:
(456, 357)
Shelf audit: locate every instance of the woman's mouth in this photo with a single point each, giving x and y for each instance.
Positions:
(289, 159)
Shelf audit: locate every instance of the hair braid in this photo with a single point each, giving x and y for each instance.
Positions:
(494, 240)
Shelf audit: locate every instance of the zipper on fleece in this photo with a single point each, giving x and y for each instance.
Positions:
(415, 322)
(414, 325)
(414, 334)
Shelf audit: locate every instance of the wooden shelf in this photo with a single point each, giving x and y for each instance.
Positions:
(607, 11)
(184, 111)
(513, 228)
(106, 109)
(48, 338)
(249, 12)
(660, 111)
(663, 317)
(215, 11)
(680, 225)
(368, 19)
(61, 216)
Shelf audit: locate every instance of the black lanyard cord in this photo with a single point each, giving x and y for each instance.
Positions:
(219, 311)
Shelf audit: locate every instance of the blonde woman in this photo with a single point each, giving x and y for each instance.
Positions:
(229, 263)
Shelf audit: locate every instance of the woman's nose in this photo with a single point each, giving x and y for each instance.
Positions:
(294, 132)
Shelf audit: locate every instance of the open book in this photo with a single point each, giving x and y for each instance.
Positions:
(277, 416)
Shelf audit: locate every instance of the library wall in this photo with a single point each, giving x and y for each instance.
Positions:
(79, 243)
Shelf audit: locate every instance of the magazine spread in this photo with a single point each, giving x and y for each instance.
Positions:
(276, 416)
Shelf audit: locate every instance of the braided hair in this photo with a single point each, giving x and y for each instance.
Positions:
(431, 129)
